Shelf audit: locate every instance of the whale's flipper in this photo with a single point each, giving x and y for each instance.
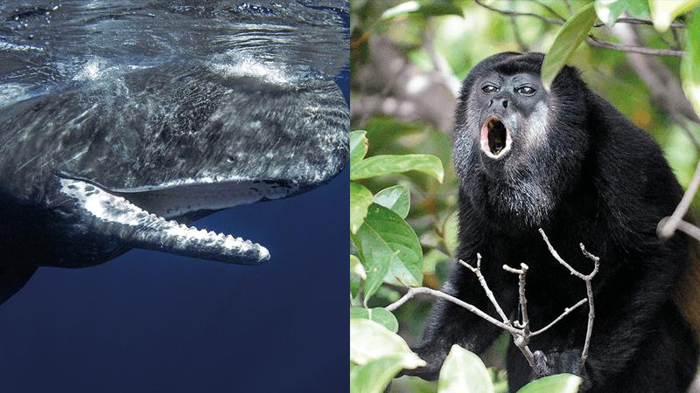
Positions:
(12, 279)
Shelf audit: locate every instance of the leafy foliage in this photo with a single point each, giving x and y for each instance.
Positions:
(567, 40)
(690, 67)
(464, 372)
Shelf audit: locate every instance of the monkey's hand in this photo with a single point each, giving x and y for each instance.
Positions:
(434, 357)
(566, 362)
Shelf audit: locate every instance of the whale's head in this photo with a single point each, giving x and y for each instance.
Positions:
(130, 159)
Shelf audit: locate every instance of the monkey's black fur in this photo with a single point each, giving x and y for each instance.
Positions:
(590, 177)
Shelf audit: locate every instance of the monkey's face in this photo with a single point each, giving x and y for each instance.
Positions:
(517, 148)
(511, 114)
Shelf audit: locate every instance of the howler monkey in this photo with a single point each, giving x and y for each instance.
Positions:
(568, 162)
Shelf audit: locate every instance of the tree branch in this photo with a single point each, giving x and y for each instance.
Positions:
(412, 292)
(663, 84)
(593, 41)
(566, 312)
(551, 11)
(589, 289)
(637, 21)
(518, 13)
(489, 294)
(689, 229)
(522, 340)
(520, 330)
(667, 225)
(631, 21)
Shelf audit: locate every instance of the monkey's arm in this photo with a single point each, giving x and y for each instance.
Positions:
(450, 324)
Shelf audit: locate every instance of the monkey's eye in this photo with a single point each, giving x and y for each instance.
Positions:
(489, 89)
(526, 90)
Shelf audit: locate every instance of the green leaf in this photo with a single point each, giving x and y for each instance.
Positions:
(360, 200)
(380, 315)
(389, 248)
(371, 341)
(609, 10)
(464, 372)
(664, 11)
(382, 165)
(374, 376)
(396, 198)
(560, 383)
(358, 146)
(357, 274)
(357, 268)
(690, 65)
(426, 9)
(450, 232)
(638, 9)
(567, 40)
(431, 260)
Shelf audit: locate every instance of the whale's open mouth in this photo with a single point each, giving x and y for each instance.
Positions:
(146, 217)
(495, 138)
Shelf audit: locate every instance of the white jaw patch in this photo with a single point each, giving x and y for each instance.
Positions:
(116, 216)
(537, 126)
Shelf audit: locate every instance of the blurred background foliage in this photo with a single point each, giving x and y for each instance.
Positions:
(405, 74)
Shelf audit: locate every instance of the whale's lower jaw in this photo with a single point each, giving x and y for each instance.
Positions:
(115, 216)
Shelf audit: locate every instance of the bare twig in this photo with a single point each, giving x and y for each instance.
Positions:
(551, 11)
(518, 38)
(664, 86)
(568, 6)
(443, 69)
(676, 39)
(637, 21)
(667, 226)
(681, 121)
(587, 278)
(520, 330)
(632, 21)
(522, 272)
(689, 229)
(593, 41)
(518, 13)
(566, 312)
(489, 294)
(522, 340)
(412, 292)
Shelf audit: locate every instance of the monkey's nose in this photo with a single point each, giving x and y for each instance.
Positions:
(502, 101)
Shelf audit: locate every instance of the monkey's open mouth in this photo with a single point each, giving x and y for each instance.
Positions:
(495, 138)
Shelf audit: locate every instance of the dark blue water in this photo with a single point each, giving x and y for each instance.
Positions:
(154, 322)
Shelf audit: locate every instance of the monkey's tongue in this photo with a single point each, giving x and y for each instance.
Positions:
(495, 138)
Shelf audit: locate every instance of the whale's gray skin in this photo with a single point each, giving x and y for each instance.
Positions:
(122, 121)
(128, 158)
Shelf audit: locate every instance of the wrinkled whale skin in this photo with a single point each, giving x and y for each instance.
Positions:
(92, 169)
